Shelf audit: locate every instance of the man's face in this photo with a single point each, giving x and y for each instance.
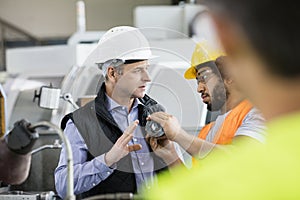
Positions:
(212, 88)
(133, 80)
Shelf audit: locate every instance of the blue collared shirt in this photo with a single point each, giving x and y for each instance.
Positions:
(88, 174)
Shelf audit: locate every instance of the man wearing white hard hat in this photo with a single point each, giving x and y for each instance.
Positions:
(107, 139)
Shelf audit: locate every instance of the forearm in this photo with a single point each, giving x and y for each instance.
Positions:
(192, 144)
(86, 176)
(14, 168)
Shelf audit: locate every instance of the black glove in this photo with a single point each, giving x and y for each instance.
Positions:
(21, 138)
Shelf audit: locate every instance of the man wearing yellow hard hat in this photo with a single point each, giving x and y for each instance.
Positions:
(239, 120)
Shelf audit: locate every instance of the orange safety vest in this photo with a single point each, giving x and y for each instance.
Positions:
(230, 125)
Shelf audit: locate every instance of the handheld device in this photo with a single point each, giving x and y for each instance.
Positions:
(151, 106)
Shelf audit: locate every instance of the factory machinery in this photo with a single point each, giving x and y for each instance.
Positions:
(75, 81)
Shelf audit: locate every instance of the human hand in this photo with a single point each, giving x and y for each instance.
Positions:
(121, 147)
(169, 123)
(163, 148)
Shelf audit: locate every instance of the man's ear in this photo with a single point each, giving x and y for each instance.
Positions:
(111, 73)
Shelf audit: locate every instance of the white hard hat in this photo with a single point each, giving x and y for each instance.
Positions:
(121, 43)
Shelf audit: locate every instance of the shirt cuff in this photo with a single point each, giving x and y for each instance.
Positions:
(102, 161)
(105, 171)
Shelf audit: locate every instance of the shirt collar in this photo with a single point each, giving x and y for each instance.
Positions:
(112, 104)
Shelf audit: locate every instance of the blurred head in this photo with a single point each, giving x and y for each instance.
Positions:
(272, 31)
(261, 37)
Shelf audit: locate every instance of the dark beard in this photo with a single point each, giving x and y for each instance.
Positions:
(218, 97)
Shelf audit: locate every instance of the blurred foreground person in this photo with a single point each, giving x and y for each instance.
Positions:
(261, 37)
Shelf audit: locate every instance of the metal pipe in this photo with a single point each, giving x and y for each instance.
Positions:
(81, 25)
(55, 145)
(70, 180)
(68, 97)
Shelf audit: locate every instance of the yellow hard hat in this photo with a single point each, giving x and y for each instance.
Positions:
(203, 53)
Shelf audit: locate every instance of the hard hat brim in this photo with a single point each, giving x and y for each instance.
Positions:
(190, 73)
